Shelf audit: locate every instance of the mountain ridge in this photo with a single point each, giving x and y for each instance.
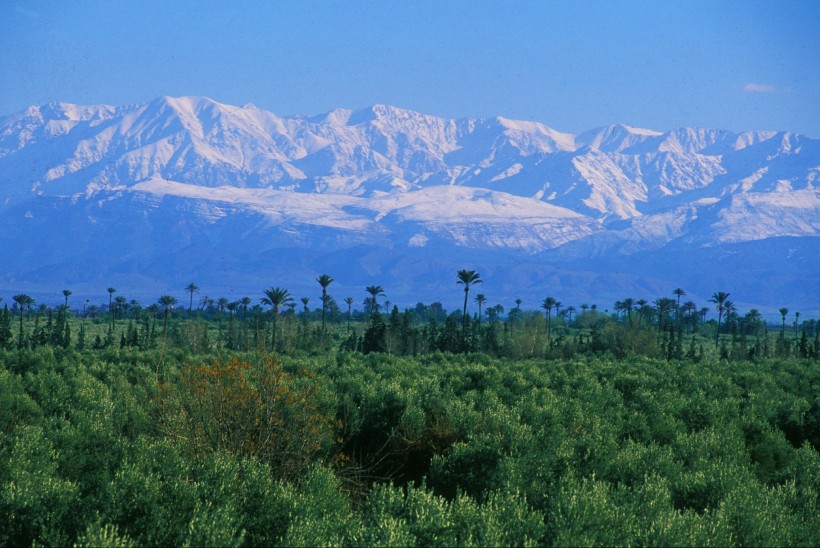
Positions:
(397, 179)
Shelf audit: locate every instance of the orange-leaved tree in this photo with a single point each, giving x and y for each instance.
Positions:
(257, 410)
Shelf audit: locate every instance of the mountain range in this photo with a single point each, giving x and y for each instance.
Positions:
(150, 197)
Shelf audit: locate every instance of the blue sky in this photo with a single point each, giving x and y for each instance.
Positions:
(572, 65)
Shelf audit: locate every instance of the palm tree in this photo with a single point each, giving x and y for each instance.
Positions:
(690, 308)
(663, 305)
(191, 288)
(467, 278)
(783, 312)
(324, 280)
(245, 302)
(678, 292)
(719, 299)
(120, 303)
(480, 299)
(349, 302)
(66, 293)
(111, 292)
(167, 302)
(275, 297)
(618, 308)
(375, 291)
(548, 305)
(753, 318)
(627, 305)
(222, 303)
(24, 302)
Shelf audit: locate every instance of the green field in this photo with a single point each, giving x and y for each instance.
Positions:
(595, 431)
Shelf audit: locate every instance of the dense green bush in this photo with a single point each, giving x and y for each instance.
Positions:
(144, 447)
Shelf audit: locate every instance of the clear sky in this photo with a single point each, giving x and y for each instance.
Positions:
(573, 65)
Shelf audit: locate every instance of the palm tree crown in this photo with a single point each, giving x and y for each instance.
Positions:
(276, 297)
(467, 278)
(324, 280)
(375, 291)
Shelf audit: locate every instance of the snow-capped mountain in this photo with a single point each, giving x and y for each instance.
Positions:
(91, 193)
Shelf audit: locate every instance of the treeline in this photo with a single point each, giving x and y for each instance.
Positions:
(665, 327)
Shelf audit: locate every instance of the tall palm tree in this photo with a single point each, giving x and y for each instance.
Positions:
(24, 302)
(467, 278)
(548, 304)
(678, 292)
(719, 299)
(324, 280)
(753, 319)
(783, 312)
(167, 302)
(627, 305)
(305, 301)
(690, 308)
(480, 299)
(191, 288)
(275, 297)
(664, 306)
(245, 302)
(111, 292)
(120, 304)
(66, 293)
(375, 291)
(349, 303)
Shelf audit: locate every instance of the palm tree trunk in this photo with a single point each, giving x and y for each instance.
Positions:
(324, 304)
(273, 338)
(165, 327)
(464, 312)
